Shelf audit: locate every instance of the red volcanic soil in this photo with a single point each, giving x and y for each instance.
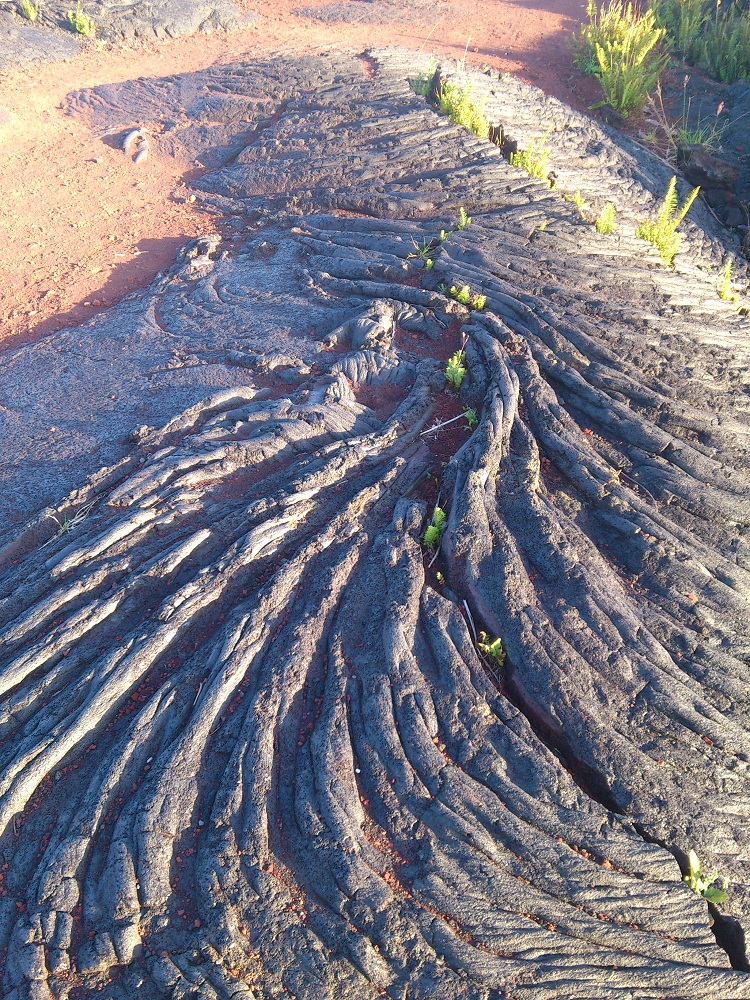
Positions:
(80, 227)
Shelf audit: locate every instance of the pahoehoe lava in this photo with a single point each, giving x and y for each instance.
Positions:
(249, 747)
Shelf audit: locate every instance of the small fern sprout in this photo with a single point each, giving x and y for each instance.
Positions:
(492, 648)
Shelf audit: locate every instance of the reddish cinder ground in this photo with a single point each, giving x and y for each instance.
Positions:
(80, 226)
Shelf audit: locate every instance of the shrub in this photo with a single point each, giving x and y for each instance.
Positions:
(662, 231)
(718, 43)
(621, 47)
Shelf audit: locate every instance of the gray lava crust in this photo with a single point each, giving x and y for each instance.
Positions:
(51, 38)
(249, 747)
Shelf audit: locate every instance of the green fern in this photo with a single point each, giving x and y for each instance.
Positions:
(462, 108)
(726, 291)
(662, 232)
(622, 48)
(80, 22)
(534, 159)
(455, 369)
(606, 220)
(30, 10)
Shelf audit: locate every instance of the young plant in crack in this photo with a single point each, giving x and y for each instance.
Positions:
(459, 103)
(422, 83)
(580, 203)
(424, 251)
(68, 524)
(470, 416)
(30, 10)
(704, 884)
(534, 159)
(492, 648)
(434, 530)
(455, 369)
(464, 295)
(726, 289)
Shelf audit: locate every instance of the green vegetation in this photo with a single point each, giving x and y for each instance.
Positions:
(606, 220)
(68, 524)
(456, 369)
(705, 34)
(580, 203)
(465, 296)
(534, 160)
(434, 530)
(423, 250)
(706, 131)
(30, 10)
(703, 884)
(462, 108)
(683, 21)
(470, 416)
(80, 22)
(427, 248)
(662, 232)
(622, 48)
(726, 289)
(492, 648)
(422, 83)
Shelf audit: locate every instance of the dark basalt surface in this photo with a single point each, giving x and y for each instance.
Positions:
(51, 37)
(24, 43)
(250, 748)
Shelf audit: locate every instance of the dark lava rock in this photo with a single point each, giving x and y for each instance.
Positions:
(251, 745)
(708, 171)
(22, 43)
(51, 38)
